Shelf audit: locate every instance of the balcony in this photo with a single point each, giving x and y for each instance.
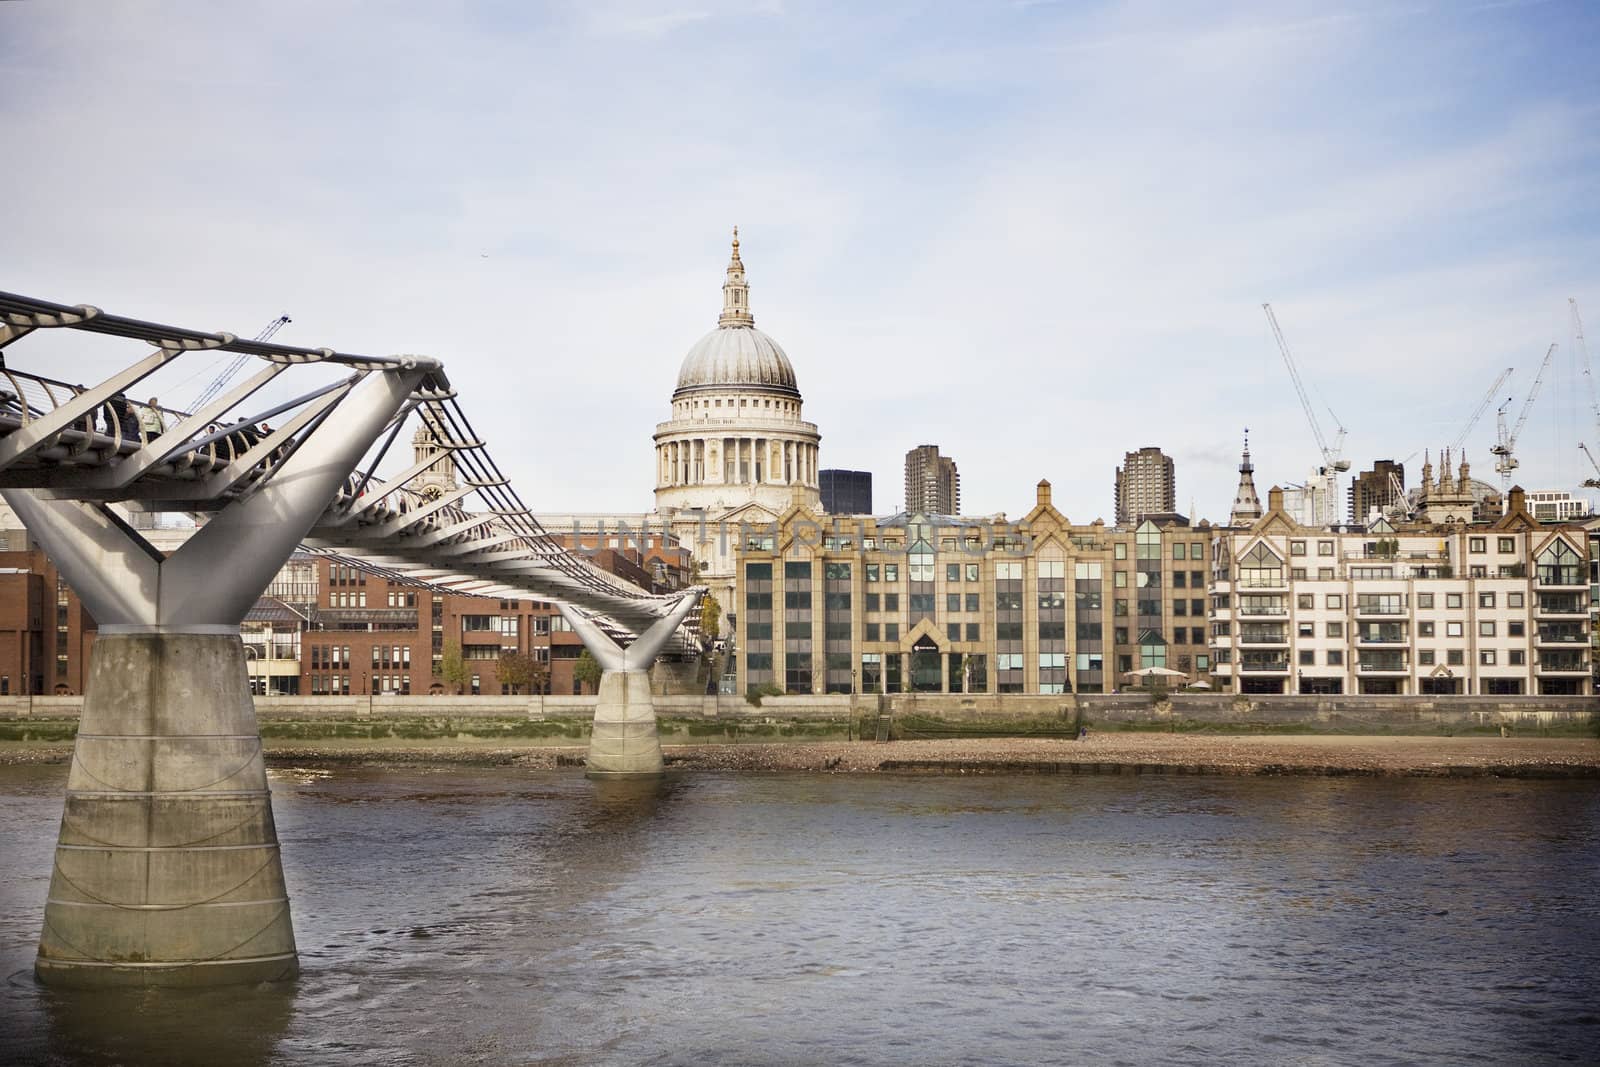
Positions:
(1573, 606)
(1380, 609)
(1560, 578)
(1269, 610)
(1381, 639)
(1264, 637)
(1562, 663)
(1384, 666)
(1265, 666)
(1261, 581)
(1561, 635)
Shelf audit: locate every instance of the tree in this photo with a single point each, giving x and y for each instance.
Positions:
(515, 670)
(586, 670)
(539, 680)
(710, 617)
(453, 668)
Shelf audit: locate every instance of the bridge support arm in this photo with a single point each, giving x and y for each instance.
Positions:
(167, 869)
(624, 742)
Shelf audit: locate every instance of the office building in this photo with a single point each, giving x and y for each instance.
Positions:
(1146, 484)
(933, 486)
(846, 492)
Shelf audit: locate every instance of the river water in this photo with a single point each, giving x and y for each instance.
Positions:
(500, 916)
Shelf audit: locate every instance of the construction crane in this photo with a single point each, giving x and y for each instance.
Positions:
(1583, 361)
(1591, 483)
(1483, 405)
(238, 363)
(1504, 461)
(1324, 503)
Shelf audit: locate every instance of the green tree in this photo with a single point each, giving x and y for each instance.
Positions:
(453, 668)
(586, 671)
(515, 670)
(710, 617)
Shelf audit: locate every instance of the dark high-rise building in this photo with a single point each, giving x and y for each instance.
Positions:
(1382, 486)
(933, 487)
(1146, 484)
(846, 492)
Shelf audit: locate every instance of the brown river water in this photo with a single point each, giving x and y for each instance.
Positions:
(501, 916)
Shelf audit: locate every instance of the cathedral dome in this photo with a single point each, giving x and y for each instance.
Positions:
(736, 355)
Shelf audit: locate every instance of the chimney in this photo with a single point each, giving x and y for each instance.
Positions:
(1518, 501)
(1043, 493)
(1274, 499)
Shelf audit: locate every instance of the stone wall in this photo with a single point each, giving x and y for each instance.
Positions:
(1352, 714)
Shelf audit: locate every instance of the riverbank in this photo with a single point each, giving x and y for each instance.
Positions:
(1109, 753)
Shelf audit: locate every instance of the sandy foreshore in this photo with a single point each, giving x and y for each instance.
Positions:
(1112, 753)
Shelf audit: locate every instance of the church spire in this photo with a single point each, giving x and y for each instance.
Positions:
(1246, 504)
(735, 293)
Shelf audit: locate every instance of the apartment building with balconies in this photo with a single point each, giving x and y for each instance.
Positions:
(1455, 608)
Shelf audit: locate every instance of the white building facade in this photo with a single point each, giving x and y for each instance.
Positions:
(1460, 608)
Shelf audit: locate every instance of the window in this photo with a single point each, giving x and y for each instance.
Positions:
(1515, 628)
(1516, 657)
(1425, 629)
(1120, 580)
(1477, 544)
(1297, 548)
(1119, 550)
(1197, 550)
(1308, 657)
(1297, 573)
(891, 631)
(1178, 550)
(1507, 544)
(1486, 628)
(872, 602)
(1455, 657)
(1486, 657)
(872, 631)
(891, 572)
(1452, 600)
(1324, 548)
(1197, 607)
(972, 572)
(1178, 579)
(1120, 635)
(1336, 629)
(1514, 600)
(952, 630)
(872, 572)
(1452, 629)
(973, 631)
(1335, 657)
(1308, 629)
(1336, 601)
(1424, 600)
(891, 602)
(1179, 608)
(952, 602)
(1305, 601)
(1485, 600)
(1324, 574)
(952, 572)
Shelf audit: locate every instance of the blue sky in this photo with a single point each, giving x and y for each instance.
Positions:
(1037, 234)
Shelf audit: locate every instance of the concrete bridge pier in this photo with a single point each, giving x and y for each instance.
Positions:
(167, 869)
(624, 742)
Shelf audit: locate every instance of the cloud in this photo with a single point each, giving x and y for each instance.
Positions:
(1038, 236)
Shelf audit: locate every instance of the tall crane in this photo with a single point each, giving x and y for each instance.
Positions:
(1483, 405)
(1583, 361)
(238, 363)
(1591, 483)
(1324, 504)
(1504, 460)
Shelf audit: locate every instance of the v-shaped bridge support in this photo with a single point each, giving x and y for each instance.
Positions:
(167, 869)
(623, 742)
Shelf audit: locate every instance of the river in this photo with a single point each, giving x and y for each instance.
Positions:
(501, 916)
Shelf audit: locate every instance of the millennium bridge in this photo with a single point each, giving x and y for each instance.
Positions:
(167, 867)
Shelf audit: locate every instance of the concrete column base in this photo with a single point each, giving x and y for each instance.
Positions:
(167, 869)
(624, 742)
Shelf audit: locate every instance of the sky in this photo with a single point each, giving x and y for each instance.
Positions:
(1036, 234)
